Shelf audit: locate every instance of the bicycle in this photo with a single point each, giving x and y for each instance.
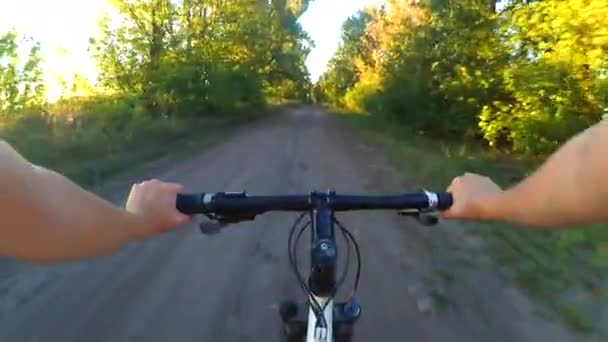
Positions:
(319, 320)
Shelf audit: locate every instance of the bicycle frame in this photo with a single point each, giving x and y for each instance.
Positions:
(323, 258)
(314, 334)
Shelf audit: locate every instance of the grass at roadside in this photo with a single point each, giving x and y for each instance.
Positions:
(90, 149)
(564, 270)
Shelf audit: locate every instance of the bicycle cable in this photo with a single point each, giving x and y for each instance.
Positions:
(293, 259)
(347, 233)
(357, 251)
(292, 253)
(345, 272)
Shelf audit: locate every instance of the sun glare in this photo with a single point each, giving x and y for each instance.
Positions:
(63, 28)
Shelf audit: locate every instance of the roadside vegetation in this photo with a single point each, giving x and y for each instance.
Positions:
(493, 88)
(565, 271)
(169, 71)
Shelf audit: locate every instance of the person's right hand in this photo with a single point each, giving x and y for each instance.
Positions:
(472, 195)
(153, 202)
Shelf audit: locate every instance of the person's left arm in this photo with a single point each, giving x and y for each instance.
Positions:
(46, 217)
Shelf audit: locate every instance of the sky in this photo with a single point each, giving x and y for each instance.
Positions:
(323, 22)
(58, 25)
(63, 27)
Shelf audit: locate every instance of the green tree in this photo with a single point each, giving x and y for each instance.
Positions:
(553, 83)
(21, 79)
(525, 78)
(204, 56)
(350, 60)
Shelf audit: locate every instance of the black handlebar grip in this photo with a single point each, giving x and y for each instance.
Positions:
(190, 203)
(445, 200)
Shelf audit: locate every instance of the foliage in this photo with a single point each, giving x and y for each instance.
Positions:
(203, 56)
(166, 69)
(21, 85)
(524, 78)
(98, 138)
(553, 82)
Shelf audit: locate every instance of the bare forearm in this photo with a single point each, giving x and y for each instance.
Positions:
(49, 218)
(570, 188)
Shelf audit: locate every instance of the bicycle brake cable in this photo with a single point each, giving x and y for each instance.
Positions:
(352, 239)
(357, 251)
(293, 259)
(345, 272)
(292, 253)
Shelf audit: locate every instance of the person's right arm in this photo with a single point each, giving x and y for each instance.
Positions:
(570, 188)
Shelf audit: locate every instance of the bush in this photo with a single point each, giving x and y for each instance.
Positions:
(99, 128)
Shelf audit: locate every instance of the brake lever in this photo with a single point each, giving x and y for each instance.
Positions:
(425, 218)
(211, 227)
(217, 222)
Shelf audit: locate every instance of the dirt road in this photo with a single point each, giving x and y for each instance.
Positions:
(418, 284)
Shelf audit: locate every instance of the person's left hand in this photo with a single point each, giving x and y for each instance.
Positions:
(153, 202)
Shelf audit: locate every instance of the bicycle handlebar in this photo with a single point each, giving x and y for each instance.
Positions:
(242, 205)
